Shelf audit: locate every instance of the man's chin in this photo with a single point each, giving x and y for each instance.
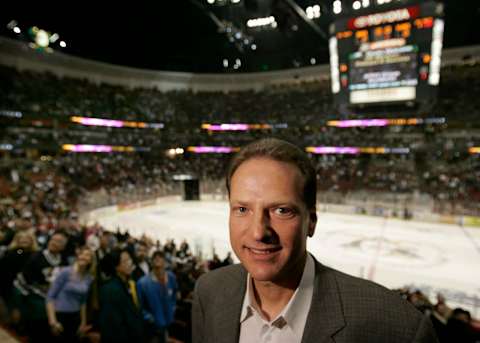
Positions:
(263, 274)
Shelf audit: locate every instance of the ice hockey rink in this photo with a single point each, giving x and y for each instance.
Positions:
(432, 257)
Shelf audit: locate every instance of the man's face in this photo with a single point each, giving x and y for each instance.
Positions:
(158, 263)
(125, 266)
(141, 252)
(57, 243)
(104, 241)
(269, 221)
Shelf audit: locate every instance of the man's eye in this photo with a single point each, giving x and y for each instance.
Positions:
(283, 211)
(240, 210)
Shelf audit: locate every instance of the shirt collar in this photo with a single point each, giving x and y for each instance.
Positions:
(296, 311)
(154, 277)
(52, 259)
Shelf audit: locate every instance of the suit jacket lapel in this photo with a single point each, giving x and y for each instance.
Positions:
(325, 317)
(227, 315)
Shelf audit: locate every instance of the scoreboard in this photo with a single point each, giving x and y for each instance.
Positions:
(387, 57)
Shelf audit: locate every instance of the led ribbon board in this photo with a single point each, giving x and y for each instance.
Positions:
(114, 123)
(242, 127)
(212, 149)
(328, 150)
(101, 148)
(384, 122)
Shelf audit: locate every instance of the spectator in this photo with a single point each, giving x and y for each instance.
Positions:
(102, 255)
(19, 251)
(227, 260)
(120, 316)
(459, 328)
(33, 283)
(66, 298)
(215, 262)
(142, 265)
(157, 294)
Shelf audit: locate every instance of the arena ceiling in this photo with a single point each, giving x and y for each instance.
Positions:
(205, 36)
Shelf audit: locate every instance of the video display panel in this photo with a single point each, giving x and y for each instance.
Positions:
(386, 57)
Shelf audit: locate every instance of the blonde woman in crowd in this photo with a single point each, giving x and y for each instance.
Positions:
(67, 297)
(19, 251)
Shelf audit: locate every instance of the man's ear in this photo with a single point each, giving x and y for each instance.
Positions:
(312, 223)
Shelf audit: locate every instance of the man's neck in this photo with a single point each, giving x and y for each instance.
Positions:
(160, 275)
(272, 297)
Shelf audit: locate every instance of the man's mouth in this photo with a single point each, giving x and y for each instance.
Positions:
(263, 251)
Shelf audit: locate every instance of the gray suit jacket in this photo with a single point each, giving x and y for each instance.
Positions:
(344, 309)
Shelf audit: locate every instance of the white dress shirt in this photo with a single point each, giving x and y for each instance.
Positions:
(288, 326)
(145, 267)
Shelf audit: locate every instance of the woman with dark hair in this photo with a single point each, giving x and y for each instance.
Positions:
(66, 298)
(120, 315)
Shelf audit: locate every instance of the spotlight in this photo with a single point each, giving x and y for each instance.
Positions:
(337, 6)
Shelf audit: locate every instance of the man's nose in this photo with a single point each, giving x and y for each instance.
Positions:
(261, 225)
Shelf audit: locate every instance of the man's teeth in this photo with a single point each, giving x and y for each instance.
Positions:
(262, 252)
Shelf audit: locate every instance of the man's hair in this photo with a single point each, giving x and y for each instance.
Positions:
(282, 151)
(459, 311)
(59, 232)
(141, 244)
(105, 233)
(158, 253)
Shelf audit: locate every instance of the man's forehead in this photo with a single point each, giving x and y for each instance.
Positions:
(59, 236)
(125, 255)
(268, 168)
(267, 180)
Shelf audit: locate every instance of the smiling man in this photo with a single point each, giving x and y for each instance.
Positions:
(279, 292)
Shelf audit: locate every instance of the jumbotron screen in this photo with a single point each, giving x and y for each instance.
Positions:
(387, 57)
